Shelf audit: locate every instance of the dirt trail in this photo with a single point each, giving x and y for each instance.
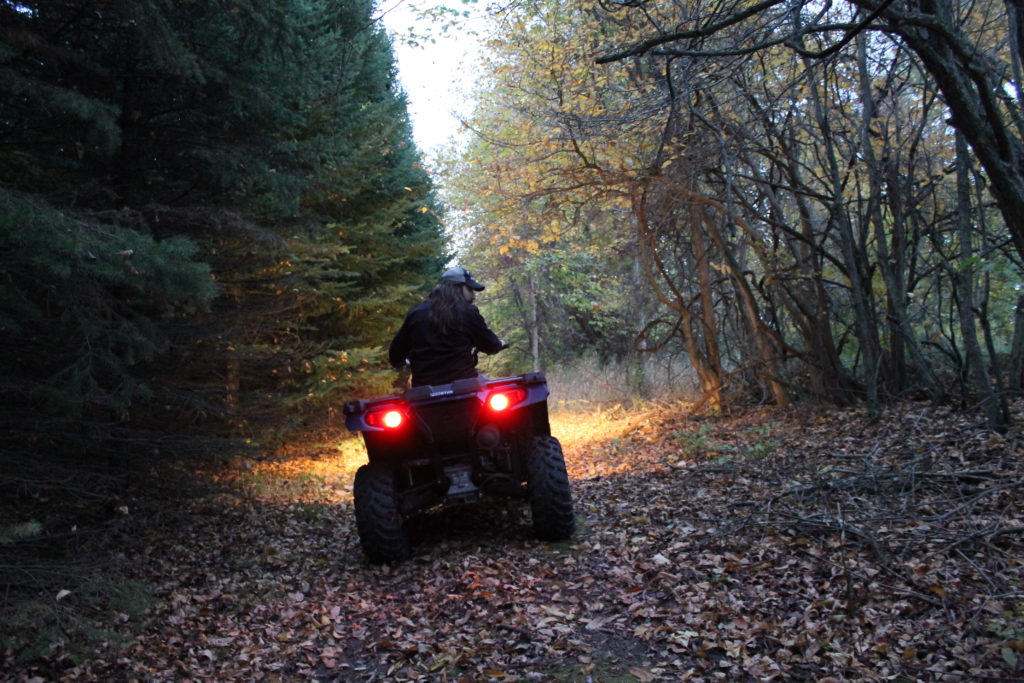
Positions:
(786, 546)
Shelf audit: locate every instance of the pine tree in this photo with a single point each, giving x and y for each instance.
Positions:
(271, 136)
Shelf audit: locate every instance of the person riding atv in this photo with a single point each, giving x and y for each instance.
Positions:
(439, 335)
(455, 436)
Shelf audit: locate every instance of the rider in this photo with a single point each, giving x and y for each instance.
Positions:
(439, 335)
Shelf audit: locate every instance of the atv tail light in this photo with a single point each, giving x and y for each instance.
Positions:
(389, 419)
(503, 400)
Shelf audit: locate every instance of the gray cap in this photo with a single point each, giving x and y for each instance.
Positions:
(461, 276)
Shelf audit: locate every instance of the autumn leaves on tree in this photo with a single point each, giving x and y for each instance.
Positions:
(787, 178)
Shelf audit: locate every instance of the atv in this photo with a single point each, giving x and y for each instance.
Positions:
(451, 445)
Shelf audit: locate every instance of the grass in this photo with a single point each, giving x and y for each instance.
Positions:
(310, 473)
(755, 443)
(632, 382)
(763, 442)
(693, 443)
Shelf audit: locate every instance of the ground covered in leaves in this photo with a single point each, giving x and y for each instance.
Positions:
(773, 545)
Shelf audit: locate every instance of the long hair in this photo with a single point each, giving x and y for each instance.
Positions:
(445, 300)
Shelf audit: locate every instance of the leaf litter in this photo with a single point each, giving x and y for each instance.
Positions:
(772, 545)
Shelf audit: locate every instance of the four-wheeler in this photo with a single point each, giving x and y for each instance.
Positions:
(451, 445)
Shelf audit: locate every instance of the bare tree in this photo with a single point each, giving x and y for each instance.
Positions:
(964, 48)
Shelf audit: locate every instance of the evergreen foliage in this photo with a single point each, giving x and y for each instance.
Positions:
(82, 305)
(256, 161)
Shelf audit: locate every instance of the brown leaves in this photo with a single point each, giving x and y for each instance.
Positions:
(785, 546)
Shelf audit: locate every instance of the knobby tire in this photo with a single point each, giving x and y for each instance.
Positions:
(381, 526)
(550, 496)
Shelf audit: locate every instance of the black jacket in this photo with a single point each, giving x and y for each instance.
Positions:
(437, 358)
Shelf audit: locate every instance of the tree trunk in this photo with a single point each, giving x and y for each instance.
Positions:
(1016, 378)
(895, 285)
(853, 258)
(963, 277)
(836, 381)
(232, 387)
(707, 299)
(768, 352)
(709, 372)
(534, 327)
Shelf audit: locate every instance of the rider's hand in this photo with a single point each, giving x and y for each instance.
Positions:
(401, 382)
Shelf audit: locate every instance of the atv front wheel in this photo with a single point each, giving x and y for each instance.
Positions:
(548, 484)
(380, 524)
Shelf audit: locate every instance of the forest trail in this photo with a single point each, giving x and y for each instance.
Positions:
(797, 545)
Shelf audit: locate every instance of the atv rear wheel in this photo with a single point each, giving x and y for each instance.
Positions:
(381, 527)
(548, 485)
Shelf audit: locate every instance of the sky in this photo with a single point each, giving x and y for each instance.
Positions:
(435, 75)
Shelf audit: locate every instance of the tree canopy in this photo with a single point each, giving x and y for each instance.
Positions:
(212, 212)
(807, 201)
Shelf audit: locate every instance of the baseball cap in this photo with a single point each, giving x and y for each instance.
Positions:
(461, 276)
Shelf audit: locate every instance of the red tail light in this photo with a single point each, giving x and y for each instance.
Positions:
(503, 400)
(389, 418)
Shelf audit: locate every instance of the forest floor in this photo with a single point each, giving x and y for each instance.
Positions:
(788, 545)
